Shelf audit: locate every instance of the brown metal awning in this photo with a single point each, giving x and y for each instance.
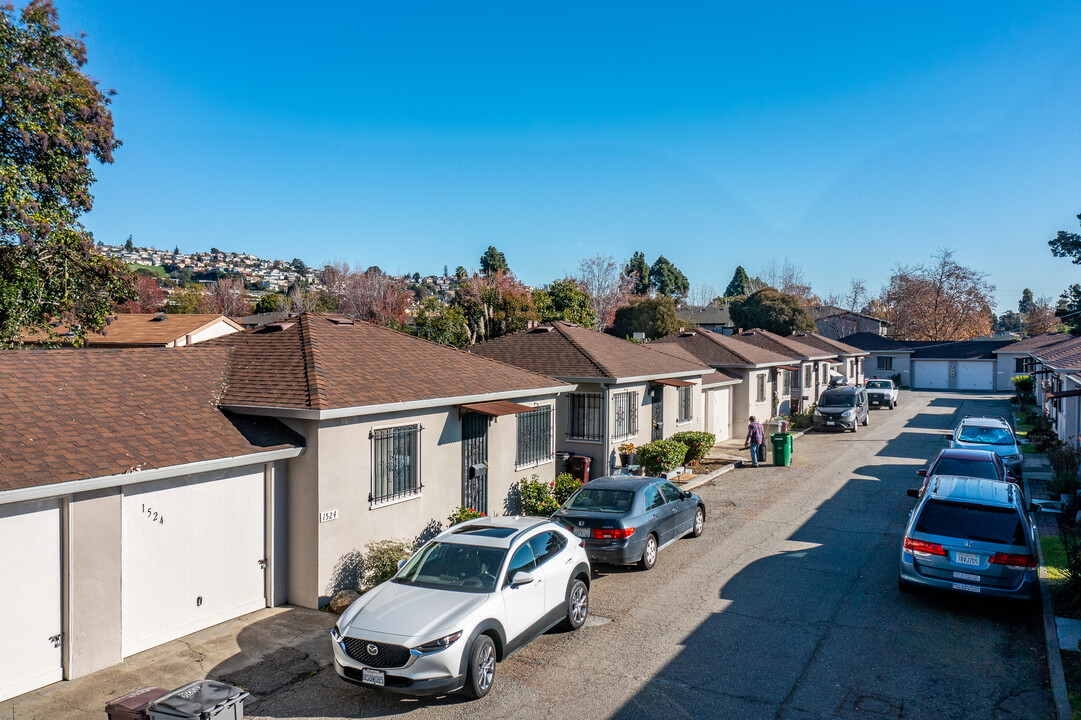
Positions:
(1041, 372)
(672, 382)
(793, 368)
(497, 408)
(1063, 393)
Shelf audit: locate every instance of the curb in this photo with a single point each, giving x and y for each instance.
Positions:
(1059, 693)
(700, 481)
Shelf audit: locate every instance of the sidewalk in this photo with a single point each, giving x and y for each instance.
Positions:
(260, 652)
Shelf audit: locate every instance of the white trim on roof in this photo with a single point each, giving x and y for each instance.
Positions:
(605, 380)
(41, 492)
(362, 410)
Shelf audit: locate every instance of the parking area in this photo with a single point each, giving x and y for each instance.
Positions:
(787, 607)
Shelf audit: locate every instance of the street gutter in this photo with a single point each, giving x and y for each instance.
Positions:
(1059, 692)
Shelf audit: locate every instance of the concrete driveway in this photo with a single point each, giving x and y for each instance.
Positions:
(787, 607)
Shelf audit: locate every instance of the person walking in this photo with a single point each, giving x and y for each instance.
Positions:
(756, 435)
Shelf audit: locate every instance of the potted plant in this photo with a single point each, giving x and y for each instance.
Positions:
(626, 454)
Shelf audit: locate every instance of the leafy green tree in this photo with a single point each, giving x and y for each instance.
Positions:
(667, 279)
(655, 316)
(444, 324)
(493, 261)
(740, 284)
(637, 271)
(1067, 244)
(460, 273)
(564, 300)
(188, 301)
(299, 265)
(53, 121)
(771, 310)
(1069, 308)
(271, 302)
(1025, 304)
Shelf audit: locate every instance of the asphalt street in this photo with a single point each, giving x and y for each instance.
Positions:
(787, 607)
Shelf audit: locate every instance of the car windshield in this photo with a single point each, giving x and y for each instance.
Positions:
(879, 385)
(601, 500)
(986, 435)
(969, 521)
(453, 566)
(966, 468)
(837, 400)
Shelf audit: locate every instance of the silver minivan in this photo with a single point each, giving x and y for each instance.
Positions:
(970, 535)
(842, 408)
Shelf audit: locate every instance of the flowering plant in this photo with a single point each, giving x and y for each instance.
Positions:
(626, 448)
(462, 514)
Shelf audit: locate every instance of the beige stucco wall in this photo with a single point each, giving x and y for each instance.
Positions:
(1006, 370)
(744, 403)
(94, 565)
(336, 475)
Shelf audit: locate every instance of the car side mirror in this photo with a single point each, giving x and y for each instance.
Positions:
(684, 495)
(521, 578)
(402, 562)
(922, 473)
(913, 492)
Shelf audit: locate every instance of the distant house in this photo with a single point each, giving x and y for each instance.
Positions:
(626, 392)
(838, 323)
(807, 375)
(1054, 362)
(886, 357)
(146, 330)
(852, 360)
(934, 364)
(710, 317)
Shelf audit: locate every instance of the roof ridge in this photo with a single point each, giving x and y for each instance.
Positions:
(585, 353)
(317, 394)
(715, 339)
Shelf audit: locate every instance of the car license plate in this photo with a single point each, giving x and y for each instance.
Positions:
(966, 588)
(966, 558)
(967, 576)
(874, 402)
(830, 422)
(583, 532)
(373, 677)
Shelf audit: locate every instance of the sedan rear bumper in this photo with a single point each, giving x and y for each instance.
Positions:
(1028, 589)
(626, 552)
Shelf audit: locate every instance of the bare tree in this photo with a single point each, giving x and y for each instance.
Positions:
(371, 295)
(301, 299)
(608, 286)
(1041, 317)
(940, 301)
(702, 295)
(228, 297)
(786, 277)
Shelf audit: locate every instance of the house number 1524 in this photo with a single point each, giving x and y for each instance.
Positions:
(153, 516)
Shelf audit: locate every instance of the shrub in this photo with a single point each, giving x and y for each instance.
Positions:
(564, 487)
(462, 514)
(661, 456)
(1065, 462)
(535, 497)
(800, 420)
(896, 377)
(698, 444)
(1023, 386)
(381, 560)
(1071, 593)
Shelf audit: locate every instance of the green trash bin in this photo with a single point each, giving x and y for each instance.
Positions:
(782, 449)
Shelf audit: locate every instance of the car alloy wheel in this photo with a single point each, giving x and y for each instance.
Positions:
(699, 522)
(649, 554)
(481, 668)
(577, 605)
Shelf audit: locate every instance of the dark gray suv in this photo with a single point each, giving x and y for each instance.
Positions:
(842, 408)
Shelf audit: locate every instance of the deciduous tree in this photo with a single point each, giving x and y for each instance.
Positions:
(1041, 317)
(608, 288)
(564, 300)
(940, 301)
(188, 301)
(655, 316)
(53, 121)
(771, 310)
(372, 295)
(228, 297)
(1067, 244)
(494, 305)
(149, 297)
(444, 324)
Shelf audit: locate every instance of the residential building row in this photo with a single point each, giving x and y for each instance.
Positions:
(1053, 360)
(155, 491)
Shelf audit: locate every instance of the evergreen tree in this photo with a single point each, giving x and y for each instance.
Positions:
(129, 245)
(1025, 305)
(667, 279)
(637, 270)
(740, 284)
(493, 261)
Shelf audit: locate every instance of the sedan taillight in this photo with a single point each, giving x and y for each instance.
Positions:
(1014, 560)
(923, 547)
(612, 533)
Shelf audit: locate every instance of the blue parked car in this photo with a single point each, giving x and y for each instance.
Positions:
(626, 520)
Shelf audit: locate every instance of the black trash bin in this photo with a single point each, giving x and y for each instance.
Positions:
(133, 705)
(203, 700)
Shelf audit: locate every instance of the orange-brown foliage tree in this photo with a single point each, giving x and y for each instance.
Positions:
(940, 301)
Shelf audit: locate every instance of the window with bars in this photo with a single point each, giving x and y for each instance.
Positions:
(586, 420)
(686, 407)
(625, 406)
(534, 437)
(395, 463)
(885, 362)
(760, 380)
(807, 379)
(786, 382)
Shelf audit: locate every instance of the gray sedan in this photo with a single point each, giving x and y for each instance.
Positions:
(625, 520)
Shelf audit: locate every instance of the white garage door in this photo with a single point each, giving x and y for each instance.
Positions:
(722, 418)
(29, 597)
(934, 374)
(193, 555)
(975, 375)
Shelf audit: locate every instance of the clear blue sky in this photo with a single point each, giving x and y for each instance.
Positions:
(848, 137)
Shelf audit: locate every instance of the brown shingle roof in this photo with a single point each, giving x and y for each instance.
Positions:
(77, 415)
(320, 362)
(793, 349)
(724, 350)
(562, 349)
(143, 330)
(1042, 342)
(828, 344)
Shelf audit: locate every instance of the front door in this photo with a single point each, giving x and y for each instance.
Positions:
(656, 399)
(475, 462)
